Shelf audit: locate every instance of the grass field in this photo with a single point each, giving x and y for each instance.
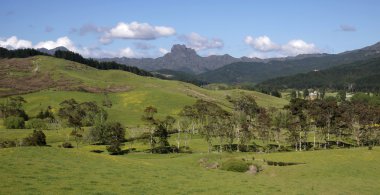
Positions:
(135, 92)
(41, 170)
(55, 170)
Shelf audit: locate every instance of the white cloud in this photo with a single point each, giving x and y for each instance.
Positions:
(127, 52)
(265, 48)
(262, 43)
(62, 41)
(14, 43)
(198, 42)
(135, 30)
(163, 51)
(295, 47)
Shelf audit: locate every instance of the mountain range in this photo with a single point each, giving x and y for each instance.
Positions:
(184, 63)
(181, 58)
(256, 72)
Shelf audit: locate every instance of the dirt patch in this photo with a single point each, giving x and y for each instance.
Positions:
(204, 162)
(252, 170)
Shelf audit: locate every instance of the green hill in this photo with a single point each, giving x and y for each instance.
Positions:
(48, 81)
(361, 75)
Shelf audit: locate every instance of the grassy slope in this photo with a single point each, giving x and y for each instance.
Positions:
(60, 171)
(41, 170)
(168, 96)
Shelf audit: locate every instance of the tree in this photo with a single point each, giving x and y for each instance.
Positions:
(107, 101)
(115, 137)
(148, 118)
(264, 123)
(341, 96)
(208, 116)
(305, 93)
(47, 114)
(107, 132)
(322, 93)
(37, 138)
(297, 108)
(245, 111)
(79, 115)
(188, 120)
(14, 122)
(13, 106)
(293, 94)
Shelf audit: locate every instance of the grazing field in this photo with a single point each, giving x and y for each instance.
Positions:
(41, 170)
(129, 93)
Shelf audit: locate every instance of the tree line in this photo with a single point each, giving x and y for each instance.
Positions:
(301, 125)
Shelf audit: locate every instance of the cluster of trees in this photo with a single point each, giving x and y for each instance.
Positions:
(72, 114)
(331, 122)
(159, 130)
(13, 113)
(72, 56)
(19, 53)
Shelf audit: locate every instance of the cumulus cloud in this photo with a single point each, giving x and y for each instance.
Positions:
(266, 48)
(93, 52)
(198, 42)
(127, 52)
(60, 42)
(262, 43)
(347, 28)
(163, 51)
(298, 46)
(135, 30)
(14, 43)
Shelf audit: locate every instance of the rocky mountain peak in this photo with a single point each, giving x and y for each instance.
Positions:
(182, 50)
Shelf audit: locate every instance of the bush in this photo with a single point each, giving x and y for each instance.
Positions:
(235, 165)
(114, 148)
(106, 133)
(36, 123)
(67, 145)
(37, 138)
(7, 144)
(14, 122)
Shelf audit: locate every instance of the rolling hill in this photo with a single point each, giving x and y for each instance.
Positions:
(46, 80)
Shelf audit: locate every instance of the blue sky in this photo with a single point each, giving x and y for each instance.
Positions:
(149, 28)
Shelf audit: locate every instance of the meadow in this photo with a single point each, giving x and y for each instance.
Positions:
(41, 170)
(56, 170)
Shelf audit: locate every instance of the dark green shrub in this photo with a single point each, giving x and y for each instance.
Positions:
(14, 122)
(36, 123)
(37, 138)
(235, 165)
(114, 148)
(7, 144)
(106, 133)
(67, 145)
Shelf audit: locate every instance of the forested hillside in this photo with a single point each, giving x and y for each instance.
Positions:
(357, 76)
